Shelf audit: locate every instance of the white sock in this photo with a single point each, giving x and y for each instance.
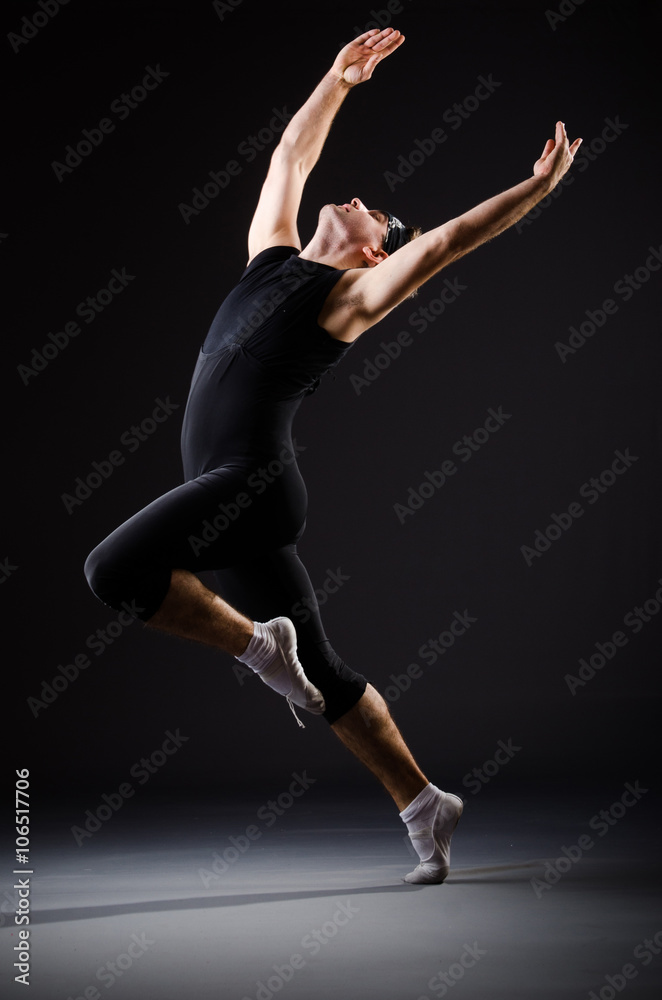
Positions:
(419, 815)
(260, 649)
(261, 653)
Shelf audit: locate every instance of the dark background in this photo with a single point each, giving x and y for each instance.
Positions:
(494, 346)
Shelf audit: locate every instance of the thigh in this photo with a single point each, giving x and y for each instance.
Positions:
(177, 531)
(197, 526)
(203, 524)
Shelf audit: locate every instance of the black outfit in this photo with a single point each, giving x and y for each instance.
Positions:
(243, 506)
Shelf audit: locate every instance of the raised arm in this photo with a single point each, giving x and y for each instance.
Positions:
(377, 290)
(275, 219)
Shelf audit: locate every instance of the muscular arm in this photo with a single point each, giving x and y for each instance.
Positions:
(305, 135)
(369, 295)
(275, 219)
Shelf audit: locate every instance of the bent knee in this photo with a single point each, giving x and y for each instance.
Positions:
(93, 569)
(341, 686)
(104, 575)
(125, 585)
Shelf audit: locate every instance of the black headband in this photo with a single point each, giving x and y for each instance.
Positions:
(396, 234)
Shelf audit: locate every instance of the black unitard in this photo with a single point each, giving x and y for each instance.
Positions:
(243, 506)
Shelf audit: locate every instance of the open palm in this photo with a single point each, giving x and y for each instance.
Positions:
(356, 62)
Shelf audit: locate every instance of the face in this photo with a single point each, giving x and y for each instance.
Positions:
(357, 224)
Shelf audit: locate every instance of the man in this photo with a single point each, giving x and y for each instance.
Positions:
(293, 315)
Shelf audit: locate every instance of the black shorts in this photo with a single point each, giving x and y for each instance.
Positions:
(246, 534)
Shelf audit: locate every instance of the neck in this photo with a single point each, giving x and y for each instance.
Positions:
(324, 252)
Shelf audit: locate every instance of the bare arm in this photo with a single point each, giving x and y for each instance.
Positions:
(275, 219)
(372, 293)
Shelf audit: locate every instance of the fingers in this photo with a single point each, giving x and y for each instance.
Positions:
(549, 146)
(372, 62)
(366, 35)
(562, 137)
(378, 40)
(391, 37)
(394, 43)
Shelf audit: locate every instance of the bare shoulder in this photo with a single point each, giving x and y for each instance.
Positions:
(365, 295)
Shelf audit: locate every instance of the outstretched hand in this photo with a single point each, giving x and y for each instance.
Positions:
(355, 63)
(557, 156)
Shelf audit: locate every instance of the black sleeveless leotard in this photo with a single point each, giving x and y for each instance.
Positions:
(243, 506)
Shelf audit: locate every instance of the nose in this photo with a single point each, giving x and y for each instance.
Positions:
(357, 203)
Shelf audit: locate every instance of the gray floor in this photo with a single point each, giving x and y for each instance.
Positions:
(309, 904)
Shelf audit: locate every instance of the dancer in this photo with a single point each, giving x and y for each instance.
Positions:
(293, 315)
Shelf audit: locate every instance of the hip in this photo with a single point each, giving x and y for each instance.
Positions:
(273, 493)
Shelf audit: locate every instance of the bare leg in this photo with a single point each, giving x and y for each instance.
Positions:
(191, 611)
(372, 736)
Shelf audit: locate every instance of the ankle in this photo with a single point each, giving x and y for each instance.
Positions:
(421, 804)
(241, 638)
(408, 796)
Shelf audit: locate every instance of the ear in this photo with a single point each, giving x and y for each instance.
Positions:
(373, 255)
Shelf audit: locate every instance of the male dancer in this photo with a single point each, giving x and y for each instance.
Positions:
(293, 315)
